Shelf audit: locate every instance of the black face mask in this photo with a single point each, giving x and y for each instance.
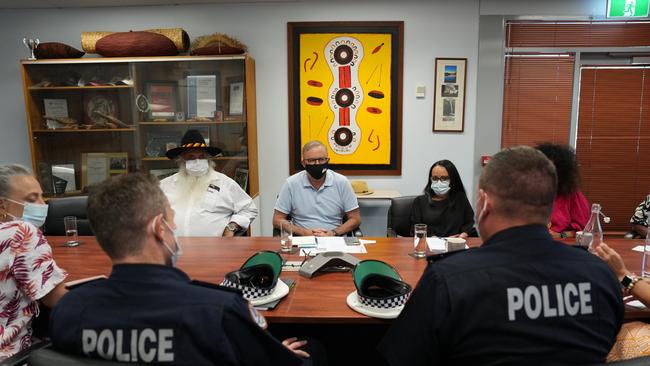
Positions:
(317, 171)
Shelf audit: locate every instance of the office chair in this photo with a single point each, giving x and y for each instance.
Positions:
(639, 361)
(49, 357)
(66, 206)
(20, 358)
(399, 215)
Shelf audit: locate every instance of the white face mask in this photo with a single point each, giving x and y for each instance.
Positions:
(197, 167)
(479, 215)
(34, 213)
(179, 251)
(440, 187)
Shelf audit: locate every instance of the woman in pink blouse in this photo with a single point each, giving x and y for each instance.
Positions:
(28, 273)
(570, 209)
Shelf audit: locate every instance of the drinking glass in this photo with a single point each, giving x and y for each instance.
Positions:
(70, 224)
(285, 236)
(420, 241)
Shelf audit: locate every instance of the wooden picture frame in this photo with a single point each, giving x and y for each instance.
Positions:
(241, 177)
(96, 167)
(163, 100)
(203, 95)
(235, 103)
(449, 94)
(345, 90)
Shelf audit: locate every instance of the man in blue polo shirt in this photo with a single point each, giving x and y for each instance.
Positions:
(147, 311)
(317, 199)
(519, 299)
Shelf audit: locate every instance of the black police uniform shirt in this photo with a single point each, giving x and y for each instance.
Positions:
(521, 298)
(154, 314)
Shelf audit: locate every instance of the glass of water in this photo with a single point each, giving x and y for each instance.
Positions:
(420, 241)
(285, 236)
(70, 224)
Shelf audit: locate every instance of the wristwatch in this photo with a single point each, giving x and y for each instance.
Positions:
(232, 227)
(628, 282)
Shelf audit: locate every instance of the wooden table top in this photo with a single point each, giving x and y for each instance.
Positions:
(317, 300)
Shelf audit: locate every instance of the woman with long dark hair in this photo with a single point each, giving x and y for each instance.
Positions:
(444, 206)
(570, 210)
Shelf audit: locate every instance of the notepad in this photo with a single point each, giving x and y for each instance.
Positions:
(304, 241)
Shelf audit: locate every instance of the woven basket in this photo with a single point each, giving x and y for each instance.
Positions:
(89, 39)
(180, 38)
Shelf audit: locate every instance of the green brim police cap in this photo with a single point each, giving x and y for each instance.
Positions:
(257, 277)
(379, 285)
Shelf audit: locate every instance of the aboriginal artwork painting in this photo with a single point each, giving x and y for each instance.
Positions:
(345, 91)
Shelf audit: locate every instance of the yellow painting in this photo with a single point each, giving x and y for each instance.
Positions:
(343, 94)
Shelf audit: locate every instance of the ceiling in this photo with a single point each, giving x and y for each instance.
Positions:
(57, 4)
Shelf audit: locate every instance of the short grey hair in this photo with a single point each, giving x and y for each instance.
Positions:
(7, 172)
(312, 144)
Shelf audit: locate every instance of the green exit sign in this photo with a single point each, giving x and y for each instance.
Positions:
(627, 8)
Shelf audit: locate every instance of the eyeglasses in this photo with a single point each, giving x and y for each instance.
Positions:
(316, 161)
(433, 179)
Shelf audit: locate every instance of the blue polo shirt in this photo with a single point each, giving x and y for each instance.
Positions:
(149, 313)
(317, 209)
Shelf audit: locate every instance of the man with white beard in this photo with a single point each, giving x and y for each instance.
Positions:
(206, 202)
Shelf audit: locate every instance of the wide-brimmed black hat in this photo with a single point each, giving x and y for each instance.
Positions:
(192, 140)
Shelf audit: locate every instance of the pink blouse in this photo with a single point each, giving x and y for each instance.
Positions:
(570, 212)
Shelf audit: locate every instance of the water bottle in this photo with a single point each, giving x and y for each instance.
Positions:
(592, 234)
(645, 264)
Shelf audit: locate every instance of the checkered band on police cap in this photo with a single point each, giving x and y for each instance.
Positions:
(250, 293)
(386, 303)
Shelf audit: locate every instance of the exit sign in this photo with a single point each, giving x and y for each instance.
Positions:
(627, 8)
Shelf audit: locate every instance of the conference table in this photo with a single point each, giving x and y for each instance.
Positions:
(319, 300)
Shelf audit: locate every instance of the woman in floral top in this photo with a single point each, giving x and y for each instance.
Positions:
(28, 273)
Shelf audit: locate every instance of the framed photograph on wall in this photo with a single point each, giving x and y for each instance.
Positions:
(449, 95)
(345, 90)
(163, 100)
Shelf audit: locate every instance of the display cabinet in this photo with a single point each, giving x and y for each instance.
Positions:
(91, 118)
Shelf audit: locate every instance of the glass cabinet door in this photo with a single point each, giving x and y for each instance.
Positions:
(92, 118)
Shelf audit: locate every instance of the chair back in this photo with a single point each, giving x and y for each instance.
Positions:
(66, 206)
(399, 215)
(49, 357)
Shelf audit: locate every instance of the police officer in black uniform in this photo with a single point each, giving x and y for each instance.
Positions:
(521, 298)
(147, 311)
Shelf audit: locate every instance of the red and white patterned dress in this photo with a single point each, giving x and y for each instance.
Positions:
(27, 273)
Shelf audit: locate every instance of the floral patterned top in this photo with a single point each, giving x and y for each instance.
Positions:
(642, 213)
(27, 273)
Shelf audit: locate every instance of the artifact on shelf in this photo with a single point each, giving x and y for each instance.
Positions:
(111, 119)
(67, 122)
(130, 44)
(178, 36)
(199, 119)
(217, 44)
(31, 44)
(48, 50)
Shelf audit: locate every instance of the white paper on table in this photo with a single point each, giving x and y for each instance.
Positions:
(435, 243)
(304, 241)
(639, 248)
(636, 304)
(334, 244)
(366, 241)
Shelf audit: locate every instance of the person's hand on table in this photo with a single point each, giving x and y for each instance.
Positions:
(613, 260)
